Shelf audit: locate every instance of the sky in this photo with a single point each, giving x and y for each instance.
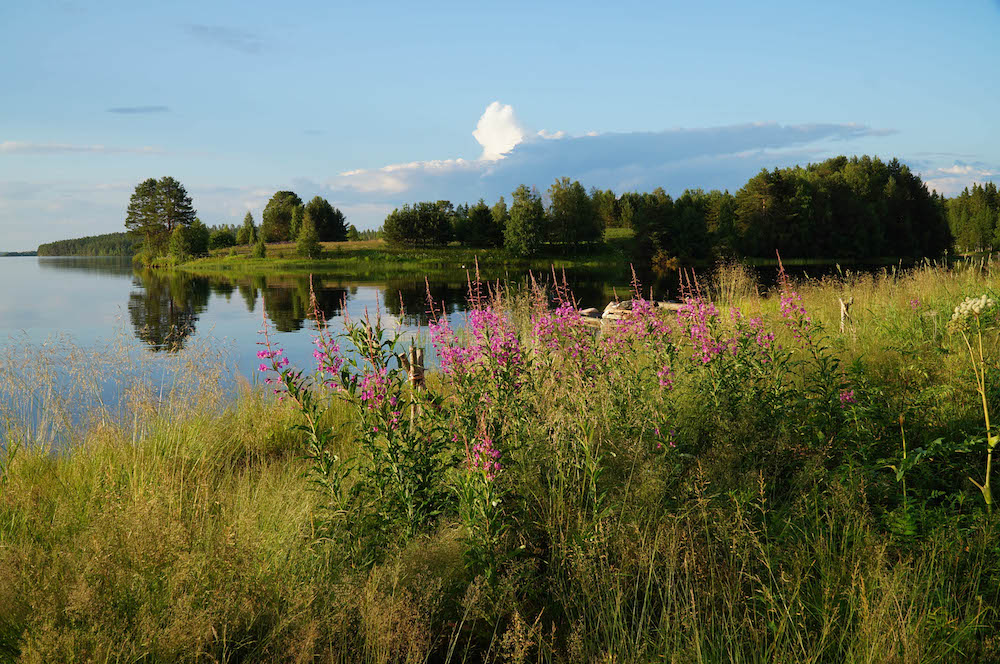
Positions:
(372, 105)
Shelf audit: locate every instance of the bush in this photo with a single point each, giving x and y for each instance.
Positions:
(259, 249)
(222, 239)
(180, 243)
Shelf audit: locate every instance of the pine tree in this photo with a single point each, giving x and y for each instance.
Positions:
(156, 208)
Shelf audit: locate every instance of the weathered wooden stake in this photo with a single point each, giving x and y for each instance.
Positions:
(845, 313)
(413, 363)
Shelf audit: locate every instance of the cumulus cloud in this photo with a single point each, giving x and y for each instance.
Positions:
(498, 131)
(28, 147)
(951, 180)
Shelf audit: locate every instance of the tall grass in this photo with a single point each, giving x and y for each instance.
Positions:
(766, 526)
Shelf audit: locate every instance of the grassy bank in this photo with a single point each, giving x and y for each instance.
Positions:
(377, 259)
(557, 498)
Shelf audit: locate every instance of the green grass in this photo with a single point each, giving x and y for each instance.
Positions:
(184, 528)
(374, 258)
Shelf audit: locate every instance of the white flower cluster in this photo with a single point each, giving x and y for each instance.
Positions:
(973, 306)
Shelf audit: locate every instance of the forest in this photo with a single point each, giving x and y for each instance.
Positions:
(109, 244)
(974, 218)
(854, 208)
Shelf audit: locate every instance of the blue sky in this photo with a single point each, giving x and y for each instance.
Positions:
(375, 104)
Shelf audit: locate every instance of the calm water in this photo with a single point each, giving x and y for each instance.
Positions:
(80, 337)
(93, 300)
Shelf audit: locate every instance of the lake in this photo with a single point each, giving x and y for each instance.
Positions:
(78, 334)
(81, 336)
(92, 300)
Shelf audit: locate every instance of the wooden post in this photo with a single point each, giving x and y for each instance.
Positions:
(412, 362)
(845, 313)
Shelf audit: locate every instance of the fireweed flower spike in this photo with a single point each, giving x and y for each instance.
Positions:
(846, 398)
(485, 457)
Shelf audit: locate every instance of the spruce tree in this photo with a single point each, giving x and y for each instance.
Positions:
(307, 244)
(247, 234)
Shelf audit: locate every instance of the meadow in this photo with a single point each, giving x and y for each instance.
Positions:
(737, 481)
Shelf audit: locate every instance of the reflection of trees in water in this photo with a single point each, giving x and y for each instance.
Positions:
(287, 301)
(112, 265)
(165, 307)
(286, 297)
(249, 294)
(407, 298)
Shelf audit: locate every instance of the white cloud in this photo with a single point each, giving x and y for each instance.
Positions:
(544, 133)
(951, 180)
(498, 131)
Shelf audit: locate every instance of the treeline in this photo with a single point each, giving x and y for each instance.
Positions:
(569, 223)
(109, 244)
(857, 207)
(974, 218)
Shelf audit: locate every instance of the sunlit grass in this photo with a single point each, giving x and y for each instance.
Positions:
(178, 524)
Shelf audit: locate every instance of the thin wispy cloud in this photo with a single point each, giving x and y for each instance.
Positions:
(138, 110)
(28, 147)
(221, 35)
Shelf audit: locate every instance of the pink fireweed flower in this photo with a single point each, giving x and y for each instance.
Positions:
(485, 457)
(699, 317)
(666, 376)
(491, 341)
(563, 330)
(453, 357)
(847, 397)
(374, 388)
(327, 355)
(915, 303)
(642, 324)
(792, 310)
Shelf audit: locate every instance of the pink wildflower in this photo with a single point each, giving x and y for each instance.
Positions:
(485, 457)
(847, 397)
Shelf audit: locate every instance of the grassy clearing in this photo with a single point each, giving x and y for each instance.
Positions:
(765, 526)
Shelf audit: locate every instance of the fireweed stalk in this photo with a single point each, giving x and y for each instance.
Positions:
(399, 470)
(821, 372)
(327, 472)
(487, 371)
